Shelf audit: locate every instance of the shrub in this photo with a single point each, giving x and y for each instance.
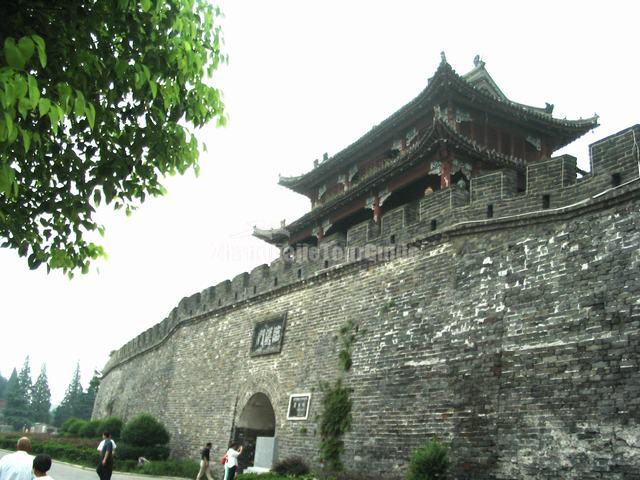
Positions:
(429, 462)
(271, 476)
(113, 425)
(68, 453)
(90, 429)
(291, 466)
(126, 451)
(174, 468)
(145, 431)
(73, 426)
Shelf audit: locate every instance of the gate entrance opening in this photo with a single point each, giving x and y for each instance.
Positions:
(256, 420)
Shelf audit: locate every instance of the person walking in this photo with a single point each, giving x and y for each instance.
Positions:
(231, 467)
(17, 465)
(205, 468)
(41, 465)
(105, 467)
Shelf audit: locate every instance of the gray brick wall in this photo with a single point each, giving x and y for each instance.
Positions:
(515, 339)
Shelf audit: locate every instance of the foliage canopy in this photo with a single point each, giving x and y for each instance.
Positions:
(145, 431)
(97, 104)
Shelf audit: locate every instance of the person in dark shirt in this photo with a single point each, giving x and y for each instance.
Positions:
(204, 462)
(105, 467)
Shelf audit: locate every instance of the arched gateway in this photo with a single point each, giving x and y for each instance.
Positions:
(257, 419)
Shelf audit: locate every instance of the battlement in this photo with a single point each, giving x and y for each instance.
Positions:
(551, 188)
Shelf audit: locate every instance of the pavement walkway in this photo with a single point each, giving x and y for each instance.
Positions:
(68, 471)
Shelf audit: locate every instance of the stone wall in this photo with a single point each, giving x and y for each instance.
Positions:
(514, 337)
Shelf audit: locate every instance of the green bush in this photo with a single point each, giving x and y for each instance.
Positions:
(68, 453)
(272, 476)
(145, 431)
(291, 466)
(83, 452)
(90, 429)
(73, 426)
(113, 425)
(133, 452)
(328, 474)
(173, 468)
(429, 462)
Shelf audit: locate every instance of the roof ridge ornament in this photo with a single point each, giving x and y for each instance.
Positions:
(443, 57)
(477, 62)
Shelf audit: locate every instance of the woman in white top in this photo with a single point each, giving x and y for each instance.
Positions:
(231, 467)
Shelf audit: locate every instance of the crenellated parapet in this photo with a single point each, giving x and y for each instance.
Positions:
(494, 200)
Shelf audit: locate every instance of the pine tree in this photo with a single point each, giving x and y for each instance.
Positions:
(90, 396)
(16, 412)
(71, 405)
(41, 398)
(3, 387)
(24, 380)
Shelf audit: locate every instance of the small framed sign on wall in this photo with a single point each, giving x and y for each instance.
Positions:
(298, 406)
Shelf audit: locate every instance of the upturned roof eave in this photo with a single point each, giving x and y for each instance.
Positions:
(573, 128)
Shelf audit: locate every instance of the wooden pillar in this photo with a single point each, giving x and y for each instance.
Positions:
(445, 173)
(376, 209)
(451, 114)
(445, 167)
(486, 130)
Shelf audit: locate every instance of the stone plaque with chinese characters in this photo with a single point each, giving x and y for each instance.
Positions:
(298, 406)
(268, 336)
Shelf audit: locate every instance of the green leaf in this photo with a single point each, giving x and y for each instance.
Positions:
(34, 261)
(44, 105)
(79, 105)
(26, 47)
(34, 91)
(54, 118)
(42, 54)
(145, 4)
(90, 112)
(10, 93)
(8, 121)
(21, 86)
(121, 67)
(154, 88)
(7, 178)
(12, 135)
(23, 107)
(26, 139)
(12, 54)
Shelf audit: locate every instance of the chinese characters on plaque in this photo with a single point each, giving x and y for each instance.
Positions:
(268, 336)
(298, 406)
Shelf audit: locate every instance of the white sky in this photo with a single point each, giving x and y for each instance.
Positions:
(306, 78)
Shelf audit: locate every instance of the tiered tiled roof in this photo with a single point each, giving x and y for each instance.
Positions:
(475, 90)
(480, 89)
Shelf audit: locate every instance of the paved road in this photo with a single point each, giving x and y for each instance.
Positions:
(66, 471)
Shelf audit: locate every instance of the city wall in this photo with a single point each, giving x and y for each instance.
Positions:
(506, 324)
